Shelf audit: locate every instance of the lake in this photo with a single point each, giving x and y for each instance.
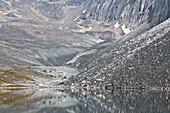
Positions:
(83, 101)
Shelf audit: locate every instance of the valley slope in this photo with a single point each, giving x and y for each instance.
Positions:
(107, 40)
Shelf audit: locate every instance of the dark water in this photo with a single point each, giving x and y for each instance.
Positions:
(67, 101)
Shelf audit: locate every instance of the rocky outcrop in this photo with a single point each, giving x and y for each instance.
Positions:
(131, 12)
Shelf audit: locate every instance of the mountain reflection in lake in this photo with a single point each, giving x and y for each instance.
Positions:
(67, 101)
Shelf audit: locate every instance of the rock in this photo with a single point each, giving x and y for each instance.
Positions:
(59, 75)
(134, 12)
(64, 77)
(45, 71)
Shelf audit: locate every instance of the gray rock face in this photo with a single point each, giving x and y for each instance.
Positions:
(114, 62)
(133, 12)
(140, 61)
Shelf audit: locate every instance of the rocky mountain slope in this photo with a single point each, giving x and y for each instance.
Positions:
(141, 61)
(114, 19)
(117, 18)
(31, 35)
(85, 34)
(31, 28)
(47, 30)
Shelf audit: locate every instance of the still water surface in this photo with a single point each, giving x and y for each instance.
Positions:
(67, 101)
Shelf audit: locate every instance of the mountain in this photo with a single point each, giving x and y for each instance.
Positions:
(91, 35)
(141, 61)
(114, 19)
(131, 12)
(32, 34)
(32, 28)
(117, 18)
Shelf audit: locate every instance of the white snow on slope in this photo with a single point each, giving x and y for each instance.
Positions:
(84, 11)
(76, 18)
(116, 25)
(126, 30)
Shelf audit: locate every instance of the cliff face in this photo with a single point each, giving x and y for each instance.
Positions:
(112, 19)
(133, 12)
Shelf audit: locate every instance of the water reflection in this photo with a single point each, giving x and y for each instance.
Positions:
(83, 101)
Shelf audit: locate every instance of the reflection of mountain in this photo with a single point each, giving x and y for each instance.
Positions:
(34, 101)
(52, 100)
(122, 101)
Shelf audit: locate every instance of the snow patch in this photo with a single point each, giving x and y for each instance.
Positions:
(126, 30)
(84, 11)
(90, 28)
(117, 25)
(76, 18)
